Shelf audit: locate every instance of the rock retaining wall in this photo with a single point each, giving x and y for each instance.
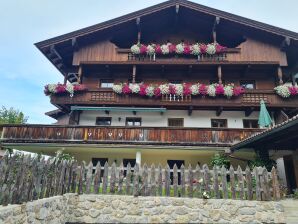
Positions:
(115, 208)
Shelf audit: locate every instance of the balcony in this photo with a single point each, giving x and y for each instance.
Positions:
(123, 135)
(251, 98)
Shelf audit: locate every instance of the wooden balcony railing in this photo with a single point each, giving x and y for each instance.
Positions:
(108, 97)
(124, 135)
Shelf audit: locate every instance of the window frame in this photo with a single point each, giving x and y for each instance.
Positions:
(248, 80)
(175, 118)
(110, 118)
(106, 81)
(134, 118)
(218, 119)
(250, 122)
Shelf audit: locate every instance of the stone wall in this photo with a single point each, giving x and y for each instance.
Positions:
(115, 208)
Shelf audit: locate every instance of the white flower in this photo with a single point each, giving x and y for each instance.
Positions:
(150, 91)
(194, 89)
(180, 48)
(117, 88)
(228, 90)
(150, 50)
(52, 88)
(195, 49)
(205, 195)
(164, 89)
(165, 49)
(211, 49)
(179, 89)
(69, 88)
(211, 91)
(135, 88)
(135, 49)
(283, 91)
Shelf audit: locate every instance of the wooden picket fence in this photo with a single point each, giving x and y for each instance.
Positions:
(23, 178)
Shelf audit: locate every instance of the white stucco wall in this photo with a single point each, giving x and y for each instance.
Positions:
(199, 118)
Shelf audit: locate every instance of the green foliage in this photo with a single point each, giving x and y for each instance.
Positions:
(60, 156)
(258, 161)
(220, 160)
(12, 116)
(295, 193)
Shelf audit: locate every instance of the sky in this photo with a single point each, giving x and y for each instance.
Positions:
(24, 70)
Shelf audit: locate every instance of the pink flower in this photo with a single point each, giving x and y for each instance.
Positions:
(203, 48)
(203, 89)
(143, 88)
(186, 49)
(172, 89)
(293, 90)
(79, 87)
(157, 92)
(60, 88)
(238, 91)
(126, 89)
(143, 49)
(219, 90)
(219, 48)
(186, 89)
(172, 48)
(158, 49)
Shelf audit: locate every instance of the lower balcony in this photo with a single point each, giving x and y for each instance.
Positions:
(224, 137)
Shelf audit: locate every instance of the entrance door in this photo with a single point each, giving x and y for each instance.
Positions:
(290, 173)
(171, 164)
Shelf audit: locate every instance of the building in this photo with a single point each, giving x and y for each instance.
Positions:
(156, 86)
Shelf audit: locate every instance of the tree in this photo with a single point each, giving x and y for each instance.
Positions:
(12, 116)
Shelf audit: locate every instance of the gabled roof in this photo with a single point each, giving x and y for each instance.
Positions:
(282, 136)
(164, 5)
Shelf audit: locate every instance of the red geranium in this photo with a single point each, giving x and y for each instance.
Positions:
(143, 88)
(60, 88)
(293, 90)
(172, 48)
(143, 49)
(219, 89)
(126, 89)
(238, 91)
(186, 89)
(79, 87)
(158, 49)
(219, 48)
(203, 89)
(172, 89)
(203, 48)
(157, 92)
(186, 49)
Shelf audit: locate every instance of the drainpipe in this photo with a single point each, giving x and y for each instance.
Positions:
(138, 157)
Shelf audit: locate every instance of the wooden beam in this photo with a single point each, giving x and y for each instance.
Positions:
(219, 111)
(280, 75)
(134, 71)
(65, 78)
(219, 74)
(248, 111)
(190, 110)
(80, 72)
(285, 43)
(55, 52)
(215, 24)
(75, 44)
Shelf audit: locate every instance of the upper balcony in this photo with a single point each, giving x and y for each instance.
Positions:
(106, 96)
(27, 134)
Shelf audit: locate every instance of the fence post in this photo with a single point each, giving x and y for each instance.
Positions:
(232, 182)
(249, 183)
(206, 178)
(224, 182)
(121, 178)
(159, 180)
(175, 180)
(190, 181)
(152, 181)
(145, 180)
(258, 190)
(128, 178)
(275, 184)
(215, 182)
(198, 181)
(136, 181)
(97, 177)
(89, 178)
(105, 178)
(182, 181)
(240, 183)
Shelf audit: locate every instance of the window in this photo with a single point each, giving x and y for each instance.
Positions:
(250, 123)
(219, 123)
(106, 83)
(103, 121)
(248, 84)
(132, 163)
(101, 161)
(171, 164)
(133, 121)
(175, 122)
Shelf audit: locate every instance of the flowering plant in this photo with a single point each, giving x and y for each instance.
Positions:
(286, 90)
(181, 48)
(59, 88)
(185, 89)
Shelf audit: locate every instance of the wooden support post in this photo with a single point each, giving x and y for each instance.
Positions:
(219, 74)
(74, 44)
(285, 43)
(279, 74)
(138, 22)
(80, 74)
(65, 78)
(216, 22)
(134, 71)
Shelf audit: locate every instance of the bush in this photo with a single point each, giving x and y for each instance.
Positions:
(220, 160)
